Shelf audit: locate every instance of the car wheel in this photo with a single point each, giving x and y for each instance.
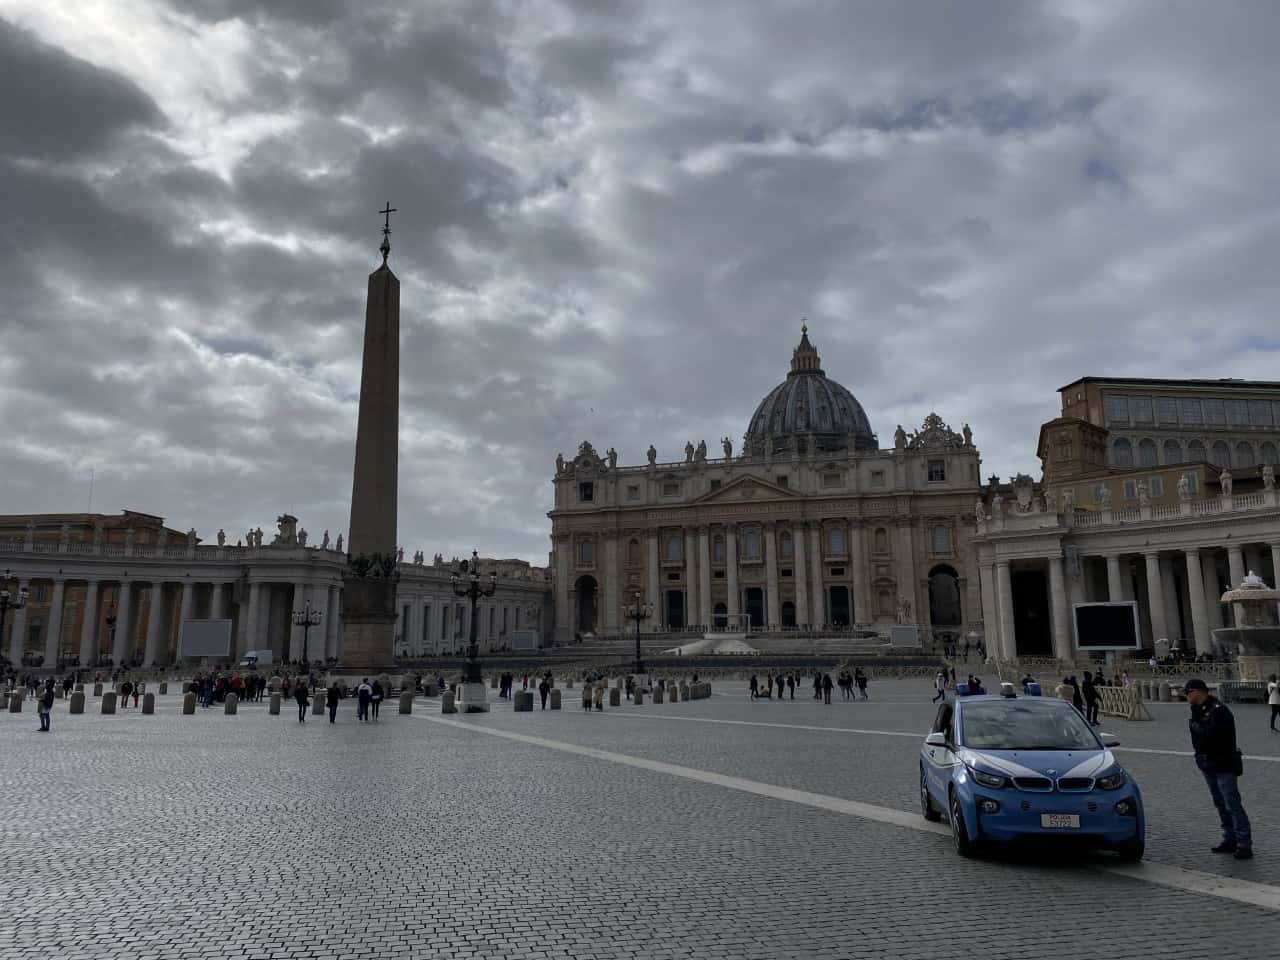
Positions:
(930, 812)
(965, 845)
(1131, 851)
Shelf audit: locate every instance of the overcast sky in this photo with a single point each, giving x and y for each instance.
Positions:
(612, 217)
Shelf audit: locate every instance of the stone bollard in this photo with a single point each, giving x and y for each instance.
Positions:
(493, 683)
(97, 689)
(148, 703)
(1165, 693)
(273, 707)
(164, 687)
(555, 699)
(657, 694)
(109, 702)
(80, 687)
(317, 704)
(230, 705)
(620, 683)
(430, 690)
(638, 697)
(568, 684)
(15, 702)
(77, 702)
(188, 703)
(523, 701)
(684, 691)
(446, 703)
(406, 701)
(615, 696)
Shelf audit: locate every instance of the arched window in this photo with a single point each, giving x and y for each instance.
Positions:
(940, 538)
(1121, 453)
(1244, 454)
(884, 603)
(751, 543)
(785, 547)
(1221, 454)
(882, 540)
(675, 547)
(1269, 453)
(586, 551)
(1195, 452)
(1146, 452)
(835, 541)
(1172, 452)
(717, 549)
(633, 552)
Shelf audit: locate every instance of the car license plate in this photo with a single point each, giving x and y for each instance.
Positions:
(1065, 821)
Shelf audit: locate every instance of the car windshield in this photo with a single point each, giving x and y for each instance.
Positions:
(1018, 725)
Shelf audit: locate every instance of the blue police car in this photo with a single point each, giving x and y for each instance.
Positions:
(1007, 767)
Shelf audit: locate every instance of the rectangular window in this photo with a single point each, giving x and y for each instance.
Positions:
(586, 492)
(1260, 413)
(1166, 409)
(717, 574)
(1189, 411)
(673, 577)
(1157, 486)
(1131, 489)
(633, 492)
(1140, 409)
(715, 484)
(784, 572)
(877, 478)
(782, 480)
(837, 571)
(671, 489)
(832, 480)
(1098, 492)
(444, 623)
(937, 471)
(1215, 412)
(1238, 413)
(1116, 408)
(40, 593)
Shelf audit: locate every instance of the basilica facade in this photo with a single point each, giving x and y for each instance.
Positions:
(812, 525)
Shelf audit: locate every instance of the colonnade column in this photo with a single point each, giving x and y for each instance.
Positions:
(1171, 601)
(1155, 598)
(155, 617)
(773, 603)
(185, 609)
(1212, 590)
(611, 578)
(1275, 563)
(53, 641)
(89, 626)
(907, 567)
(690, 576)
(18, 629)
(862, 612)
(819, 588)
(731, 571)
(1196, 594)
(704, 575)
(295, 631)
(1059, 613)
(1235, 558)
(654, 591)
(801, 574)
(333, 620)
(249, 620)
(1004, 591)
(218, 601)
(120, 648)
(1115, 583)
(990, 609)
(565, 624)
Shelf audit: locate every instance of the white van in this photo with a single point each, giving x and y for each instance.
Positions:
(256, 658)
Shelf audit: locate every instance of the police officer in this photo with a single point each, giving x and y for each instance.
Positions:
(1213, 736)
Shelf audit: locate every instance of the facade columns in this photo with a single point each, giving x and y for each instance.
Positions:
(1212, 590)
(123, 642)
(990, 607)
(801, 574)
(155, 619)
(1059, 613)
(89, 626)
(295, 631)
(53, 642)
(655, 588)
(731, 571)
(611, 583)
(249, 622)
(1115, 583)
(862, 612)
(772, 603)
(819, 594)
(704, 575)
(1196, 594)
(17, 631)
(332, 611)
(907, 569)
(691, 606)
(1004, 591)
(1155, 598)
(565, 624)
(217, 601)
(185, 610)
(1171, 602)
(1235, 558)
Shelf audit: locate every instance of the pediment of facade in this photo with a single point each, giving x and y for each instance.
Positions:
(746, 489)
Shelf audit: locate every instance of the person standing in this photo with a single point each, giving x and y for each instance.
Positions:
(860, 679)
(1213, 737)
(940, 685)
(1273, 700)
(1090, 693)
(331, 700)
(826, 688)
(364, 693)
(754, 686)
(375, 698)
(791, 685)
(300, 695)
(44, 706)
(544, 688)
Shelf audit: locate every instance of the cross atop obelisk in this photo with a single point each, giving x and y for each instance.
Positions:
(386, 211)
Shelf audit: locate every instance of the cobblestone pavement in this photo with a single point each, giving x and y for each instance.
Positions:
(215, 836)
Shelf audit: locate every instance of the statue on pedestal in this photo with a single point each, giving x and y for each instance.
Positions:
(1144, 496)
(192, 537)
(128, 541)
(968, 436)
(1225, 480)
(1104, 497)
(1268, 477)
(652, 454)
(302, 536)
(559, 464)
(222, 537)
(727, 444)
(1069, 502)
(688, 451)
(257, 537)
(97, 538)
(904, 608)
(163, 539)
(64, 536)
(899, 438)
(613, 458)
(1184, 488)
(979, 510)
(339, 543)
(700, 453)
(324, 543)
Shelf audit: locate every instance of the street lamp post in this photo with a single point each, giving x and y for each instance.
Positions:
(110, 621)
(9, 601)
(468, 583)
(306, 619)
(639, 611)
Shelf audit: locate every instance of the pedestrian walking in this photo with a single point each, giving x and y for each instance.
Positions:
(331, 700)
(44, 706)
(1090, 692)
(1213, 737)
(826, 688)
(1273, 700)
(364, 693)
(940, 685)
(791, 685)
(860, 679)
(1077, 701)
(817, 684)
(544, 688)
(300, 695)
(126, 688)
(375, 698)
(754, 686)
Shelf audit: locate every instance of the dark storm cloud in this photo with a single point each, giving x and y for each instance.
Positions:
(612, 217)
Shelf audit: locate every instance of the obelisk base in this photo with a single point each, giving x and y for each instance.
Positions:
(472, 698)
(368, 625)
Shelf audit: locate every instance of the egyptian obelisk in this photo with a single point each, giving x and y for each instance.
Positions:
(369, 587)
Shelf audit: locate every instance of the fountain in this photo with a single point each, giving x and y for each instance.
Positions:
(1256, 633)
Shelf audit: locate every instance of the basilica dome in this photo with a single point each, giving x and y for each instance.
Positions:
(808, 412)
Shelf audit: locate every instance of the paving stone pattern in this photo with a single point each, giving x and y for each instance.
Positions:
(217, 836)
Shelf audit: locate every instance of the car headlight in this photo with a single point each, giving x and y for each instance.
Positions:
(1112, 781)
(988, 779)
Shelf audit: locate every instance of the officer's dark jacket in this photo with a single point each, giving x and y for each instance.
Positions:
(1213, 734)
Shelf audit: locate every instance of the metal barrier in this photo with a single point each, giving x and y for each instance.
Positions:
(1123, 702)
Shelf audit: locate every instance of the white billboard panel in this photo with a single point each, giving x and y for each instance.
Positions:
(205, 638)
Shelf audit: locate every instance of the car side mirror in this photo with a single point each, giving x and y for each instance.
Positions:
(1109, 740)
(936, 740)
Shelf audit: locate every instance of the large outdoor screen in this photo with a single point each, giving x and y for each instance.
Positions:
(205, 638)
(1107, 626)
